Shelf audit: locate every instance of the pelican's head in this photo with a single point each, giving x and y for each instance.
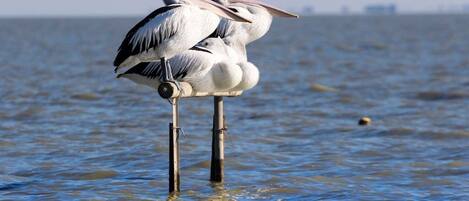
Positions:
(272, 10)
(216, 44)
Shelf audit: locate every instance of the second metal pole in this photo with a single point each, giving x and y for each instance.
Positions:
(218, 155)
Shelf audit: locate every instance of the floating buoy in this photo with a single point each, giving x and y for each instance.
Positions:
(364, 121)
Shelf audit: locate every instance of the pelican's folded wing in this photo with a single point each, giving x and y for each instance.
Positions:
(194, 60)
(150, 70)
(147, 34)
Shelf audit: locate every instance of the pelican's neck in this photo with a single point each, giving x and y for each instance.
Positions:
(262, 20)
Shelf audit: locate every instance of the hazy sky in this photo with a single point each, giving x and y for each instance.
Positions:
(141, 7)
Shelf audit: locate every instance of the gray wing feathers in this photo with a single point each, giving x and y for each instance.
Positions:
(150, 36)
(181, 66)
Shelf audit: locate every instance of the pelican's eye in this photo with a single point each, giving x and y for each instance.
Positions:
(234, 10)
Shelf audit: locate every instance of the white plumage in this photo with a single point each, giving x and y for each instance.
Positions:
(207, 67)
(168, 34)
(218, 63)
(250, 77)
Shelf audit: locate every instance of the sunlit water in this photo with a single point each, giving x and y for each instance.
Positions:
(70, 130)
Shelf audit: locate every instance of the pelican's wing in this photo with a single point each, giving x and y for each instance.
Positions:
(153, 70)
(147, 34)
(181, 65)
(150, 70)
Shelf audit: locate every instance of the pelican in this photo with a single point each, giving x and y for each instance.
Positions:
(171, 30)
(207, 67)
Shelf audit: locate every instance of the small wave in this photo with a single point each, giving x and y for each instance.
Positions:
(102, 62)
(321, 88)
(441, 96)
(94, 175)
(306, 62)
(198, 165)
(30, 112)
(5, 144)
(458, 164)
(346, 48)
(373, 46)
(9, 182)
(86, 97)
(441, 172)
(270, 191)
(3, 115)
(260, 116)
(432, 135)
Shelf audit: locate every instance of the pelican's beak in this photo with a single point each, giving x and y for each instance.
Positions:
(220, 10)
(272, 10)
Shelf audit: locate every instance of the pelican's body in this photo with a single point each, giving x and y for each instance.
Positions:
(171, 30)
(207, 67)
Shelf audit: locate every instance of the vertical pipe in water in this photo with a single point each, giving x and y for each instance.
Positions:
(174, 179)
(218, 155)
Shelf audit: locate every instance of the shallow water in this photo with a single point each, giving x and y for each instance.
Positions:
(70, 130)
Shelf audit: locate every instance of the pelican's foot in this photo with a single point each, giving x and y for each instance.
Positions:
(178, 85)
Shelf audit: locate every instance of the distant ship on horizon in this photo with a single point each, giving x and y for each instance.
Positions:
(381, 9)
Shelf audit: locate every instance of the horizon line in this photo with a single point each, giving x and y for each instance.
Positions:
(300, 13)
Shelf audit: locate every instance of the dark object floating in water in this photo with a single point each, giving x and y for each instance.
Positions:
(364, 121)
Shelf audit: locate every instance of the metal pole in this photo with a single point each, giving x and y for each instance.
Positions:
(218, 155)
(174, 180)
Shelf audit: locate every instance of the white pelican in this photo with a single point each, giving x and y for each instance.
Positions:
(207, 67)
(171, 30)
